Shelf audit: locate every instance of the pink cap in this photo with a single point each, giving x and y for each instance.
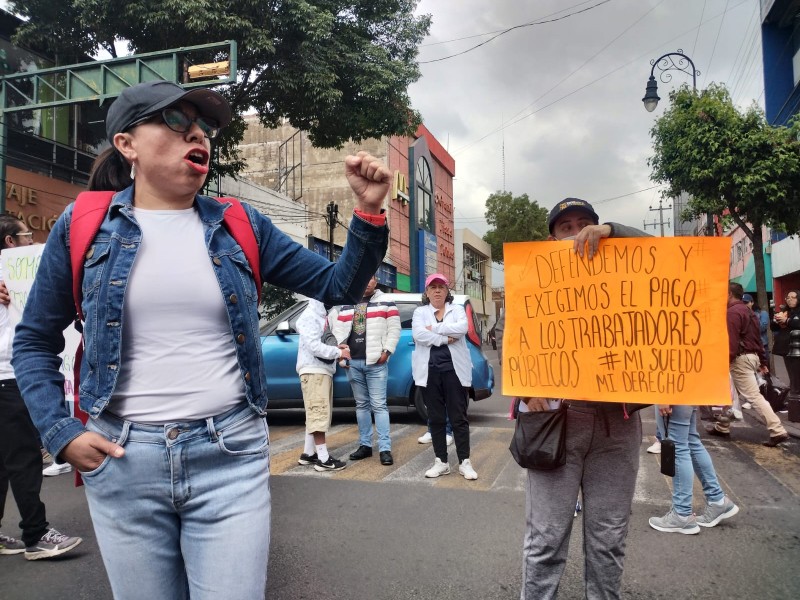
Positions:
(436, 277)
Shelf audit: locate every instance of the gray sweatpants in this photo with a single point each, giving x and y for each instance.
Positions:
(602, 460)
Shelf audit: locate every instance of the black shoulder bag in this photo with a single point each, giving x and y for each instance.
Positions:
(329, 339)
(540, 439)
(667, 452)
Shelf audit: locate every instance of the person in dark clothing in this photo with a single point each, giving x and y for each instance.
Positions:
(20, 456)
(747, 358)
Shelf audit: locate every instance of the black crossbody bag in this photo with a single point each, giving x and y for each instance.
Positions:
(540, 439)
(667, 452)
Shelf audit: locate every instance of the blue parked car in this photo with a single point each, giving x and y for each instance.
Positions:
(279, 340)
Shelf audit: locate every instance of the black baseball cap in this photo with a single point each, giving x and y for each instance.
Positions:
(571, 204)
(145, 99)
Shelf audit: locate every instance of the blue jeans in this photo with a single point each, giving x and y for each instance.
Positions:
(186, 512)
(691, 458)
(659, 425)
(369, 391)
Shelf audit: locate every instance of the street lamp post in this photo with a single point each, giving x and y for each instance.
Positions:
(671, 61)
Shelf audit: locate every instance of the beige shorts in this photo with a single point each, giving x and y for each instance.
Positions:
(317, 398)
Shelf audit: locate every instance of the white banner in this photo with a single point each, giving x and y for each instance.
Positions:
(19, 266)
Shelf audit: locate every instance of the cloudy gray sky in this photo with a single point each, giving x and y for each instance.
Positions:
(564, 98)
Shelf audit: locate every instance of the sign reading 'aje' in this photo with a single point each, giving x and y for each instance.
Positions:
(643, 321)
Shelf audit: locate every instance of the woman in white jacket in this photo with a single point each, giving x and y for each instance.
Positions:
(442, 368)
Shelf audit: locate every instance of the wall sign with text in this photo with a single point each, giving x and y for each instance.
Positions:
(643, 321)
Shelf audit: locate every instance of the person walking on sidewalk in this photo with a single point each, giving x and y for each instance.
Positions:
(20, 455)
(442, 369)
(316, 364)
(691, 458)
(747, 359)
(371, 329)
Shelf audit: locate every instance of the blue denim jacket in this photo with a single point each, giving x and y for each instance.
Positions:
(50, 307)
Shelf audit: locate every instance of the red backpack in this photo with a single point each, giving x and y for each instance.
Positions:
(88, 212)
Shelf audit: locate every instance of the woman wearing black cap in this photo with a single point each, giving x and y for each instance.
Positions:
(175, 456)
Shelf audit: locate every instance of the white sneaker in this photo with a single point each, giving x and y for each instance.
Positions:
(438, 468)
(747, 406)
(57, 469)
(449, 439)
(425, 439)
(655, 448)
(465, 468)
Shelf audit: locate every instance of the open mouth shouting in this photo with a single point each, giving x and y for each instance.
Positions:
(197, 159)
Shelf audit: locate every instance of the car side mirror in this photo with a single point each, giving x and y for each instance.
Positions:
(283, 328)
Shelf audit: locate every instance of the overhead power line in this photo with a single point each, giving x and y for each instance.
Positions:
(609, 73)
(542, 22)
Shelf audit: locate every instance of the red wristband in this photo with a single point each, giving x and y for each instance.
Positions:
(377, 220)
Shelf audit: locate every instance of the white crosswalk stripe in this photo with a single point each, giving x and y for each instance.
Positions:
(497, 471)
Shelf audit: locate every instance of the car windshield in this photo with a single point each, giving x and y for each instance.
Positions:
(406, 310)
(269, 327)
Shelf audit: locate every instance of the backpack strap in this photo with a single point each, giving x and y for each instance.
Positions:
(88, 212)
(90, 209)
(241, 229)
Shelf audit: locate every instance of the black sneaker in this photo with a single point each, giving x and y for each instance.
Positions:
(361, 453)
(308, 459)
(329, 465)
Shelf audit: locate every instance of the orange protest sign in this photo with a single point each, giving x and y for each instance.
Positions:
(643, 321)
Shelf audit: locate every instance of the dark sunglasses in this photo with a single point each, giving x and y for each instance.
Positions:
(179, 122)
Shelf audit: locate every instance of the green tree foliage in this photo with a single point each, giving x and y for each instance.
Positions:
(275, 300)
(513, 219)
(337, 69)
(732, 163)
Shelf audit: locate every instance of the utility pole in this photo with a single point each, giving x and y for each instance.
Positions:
(661, 208)
(333, 213)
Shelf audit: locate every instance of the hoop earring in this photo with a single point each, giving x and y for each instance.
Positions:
(133, 171)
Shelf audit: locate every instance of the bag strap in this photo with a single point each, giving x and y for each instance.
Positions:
(241, 229)
(87, 215)
(90, 210)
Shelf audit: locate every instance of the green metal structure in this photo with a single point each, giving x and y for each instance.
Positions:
(101, 81)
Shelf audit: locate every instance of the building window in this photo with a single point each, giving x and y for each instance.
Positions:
(424, 184)
(474, 268)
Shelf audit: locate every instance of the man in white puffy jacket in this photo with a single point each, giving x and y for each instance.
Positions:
(371, 330)
(316, 363)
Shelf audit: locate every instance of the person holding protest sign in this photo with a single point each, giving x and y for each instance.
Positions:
(20, 456)
(602, 446)
(175, 455)
(747, 359)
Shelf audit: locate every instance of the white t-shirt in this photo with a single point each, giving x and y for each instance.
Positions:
(178, 356)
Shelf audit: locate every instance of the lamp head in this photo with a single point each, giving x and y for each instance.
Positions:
(651, 95)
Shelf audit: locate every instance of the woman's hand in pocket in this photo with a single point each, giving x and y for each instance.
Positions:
(87, 451)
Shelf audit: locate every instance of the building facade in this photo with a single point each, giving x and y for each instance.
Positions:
(780, 41)
(48, 152)
(474, 275)
(419, 207)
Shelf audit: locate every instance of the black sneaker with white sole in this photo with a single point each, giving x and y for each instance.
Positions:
(308, 459)
(52, 543)
(330, 465)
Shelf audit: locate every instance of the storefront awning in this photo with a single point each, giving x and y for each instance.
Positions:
(748, 278)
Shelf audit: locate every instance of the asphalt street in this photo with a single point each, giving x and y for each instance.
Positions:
(388, 533)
